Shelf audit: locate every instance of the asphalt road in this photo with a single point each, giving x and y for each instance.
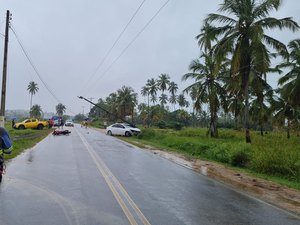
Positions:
(89, 178)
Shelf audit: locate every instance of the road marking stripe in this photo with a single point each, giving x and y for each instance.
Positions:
(109, 183)
(126, 195)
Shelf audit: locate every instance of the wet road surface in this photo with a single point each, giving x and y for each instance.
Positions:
(89, 178)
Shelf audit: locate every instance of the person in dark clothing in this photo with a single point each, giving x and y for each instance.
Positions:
(5, 147)
(13, 123)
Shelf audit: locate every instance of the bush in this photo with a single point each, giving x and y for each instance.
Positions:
(162, 124)
(240, 158)
(241, 155)
(278, 161)
(178, 126)
(220, 153)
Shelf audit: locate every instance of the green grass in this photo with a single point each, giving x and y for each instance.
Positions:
(272, 157)
(24, 139)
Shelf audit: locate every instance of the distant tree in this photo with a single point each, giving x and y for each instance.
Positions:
(36, 111)
(60, 109)
(126, 100)
(152, 87)
(32, 88)
(163, 82)
(182, 101)
(173, 87)
(79, 117)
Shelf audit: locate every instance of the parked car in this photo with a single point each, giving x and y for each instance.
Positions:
(31, 123)
(122, 129)
(69, 123)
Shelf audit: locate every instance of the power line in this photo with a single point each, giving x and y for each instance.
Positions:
(36, 70)
(133, 40)
(114, 44)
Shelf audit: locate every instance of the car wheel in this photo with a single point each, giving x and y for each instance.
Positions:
(109, 133)
(127, 134)
(21, 127)
(40, 127)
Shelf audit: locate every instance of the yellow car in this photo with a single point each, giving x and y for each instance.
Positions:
(31, 123)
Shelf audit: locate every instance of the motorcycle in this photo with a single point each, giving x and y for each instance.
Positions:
(61, 132)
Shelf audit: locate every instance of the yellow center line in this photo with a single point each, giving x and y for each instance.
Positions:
(117, 196)
(106, 173)
(126, 195)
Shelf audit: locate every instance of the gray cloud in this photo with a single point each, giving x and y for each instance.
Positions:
(67, 39)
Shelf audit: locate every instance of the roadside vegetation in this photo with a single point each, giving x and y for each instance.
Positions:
(24, 139)
(272, 157)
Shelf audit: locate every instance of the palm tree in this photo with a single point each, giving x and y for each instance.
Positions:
(209, 86)
(284, 111)
(152, 87)
(246, 39)
(60, 109)
(32, 88)
(112, 106)
(182, 102)
(163, 99)
(173, 87)
(126, 100)
(290, 82)
(173, 100)
(162, 82)
(259, 107)
(36, 111)
(145, 92)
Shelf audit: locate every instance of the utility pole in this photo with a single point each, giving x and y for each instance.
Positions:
(91, 99)
(3, 92)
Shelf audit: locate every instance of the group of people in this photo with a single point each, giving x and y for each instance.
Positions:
(84, 124)
(59, 124)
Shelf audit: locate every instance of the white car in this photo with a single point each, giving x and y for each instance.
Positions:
(69, 123)
(122, 129)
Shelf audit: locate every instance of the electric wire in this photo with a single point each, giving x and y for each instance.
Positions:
(114, 44)
(36, 70)
(132, 41)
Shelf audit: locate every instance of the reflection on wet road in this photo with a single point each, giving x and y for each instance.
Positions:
(90, 178)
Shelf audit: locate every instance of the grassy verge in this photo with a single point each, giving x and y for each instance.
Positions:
(272, 157)
(24, 139)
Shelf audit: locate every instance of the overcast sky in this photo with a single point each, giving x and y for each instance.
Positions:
(67, 39)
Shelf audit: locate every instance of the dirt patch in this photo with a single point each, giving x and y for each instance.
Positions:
(275, 194)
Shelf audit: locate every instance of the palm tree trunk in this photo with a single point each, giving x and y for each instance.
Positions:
(213, 122)
(261, 127)
(245, 72)
(31, 101)
(288, 129)
(213, 128)
(247, 124)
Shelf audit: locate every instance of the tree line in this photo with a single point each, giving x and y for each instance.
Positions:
(36, 110)
(229, 78)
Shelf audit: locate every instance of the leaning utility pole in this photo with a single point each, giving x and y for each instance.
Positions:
(3, 92)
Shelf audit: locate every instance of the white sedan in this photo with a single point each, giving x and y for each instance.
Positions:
(69, 123)
(122, 129)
